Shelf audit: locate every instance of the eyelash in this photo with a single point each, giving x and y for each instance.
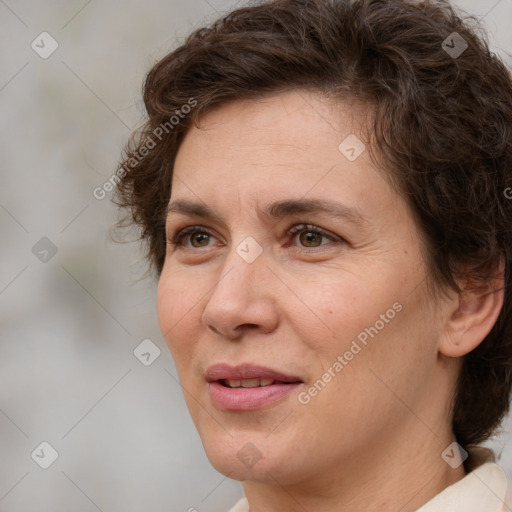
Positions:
(299, 228)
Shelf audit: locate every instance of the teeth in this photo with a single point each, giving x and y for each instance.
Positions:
(248, 383)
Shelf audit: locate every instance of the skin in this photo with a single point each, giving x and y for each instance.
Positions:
(372, 438)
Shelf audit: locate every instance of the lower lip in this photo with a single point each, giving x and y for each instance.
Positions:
(248, 399)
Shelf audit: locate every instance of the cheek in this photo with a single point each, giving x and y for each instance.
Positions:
(177, 315)
(370, 319)
(331, 309)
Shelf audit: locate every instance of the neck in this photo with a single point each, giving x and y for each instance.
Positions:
(388, 476)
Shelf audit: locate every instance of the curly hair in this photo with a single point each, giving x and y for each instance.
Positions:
(441, 129)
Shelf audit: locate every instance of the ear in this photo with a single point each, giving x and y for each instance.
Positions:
(472, 314)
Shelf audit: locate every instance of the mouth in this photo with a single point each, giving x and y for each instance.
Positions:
(248, 383)
(248, 387)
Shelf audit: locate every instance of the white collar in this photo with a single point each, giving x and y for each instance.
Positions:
(484, 489)
(241, 506)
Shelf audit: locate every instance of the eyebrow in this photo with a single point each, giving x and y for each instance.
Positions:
(276, 210)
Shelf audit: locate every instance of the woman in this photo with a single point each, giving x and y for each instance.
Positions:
(321, 185)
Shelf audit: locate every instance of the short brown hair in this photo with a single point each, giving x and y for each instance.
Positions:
(442, 128)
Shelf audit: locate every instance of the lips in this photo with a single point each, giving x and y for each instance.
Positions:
(248, 387)
(243, 372)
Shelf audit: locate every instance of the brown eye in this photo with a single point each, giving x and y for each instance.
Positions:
(310, 239)
(310, 236)
(199, 239)
(192, 237)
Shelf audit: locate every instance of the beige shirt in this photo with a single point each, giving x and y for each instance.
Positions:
(483, 489)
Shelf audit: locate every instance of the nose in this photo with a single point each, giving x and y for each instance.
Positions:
(242, 299)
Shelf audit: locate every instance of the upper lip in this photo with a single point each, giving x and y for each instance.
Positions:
(246, 371)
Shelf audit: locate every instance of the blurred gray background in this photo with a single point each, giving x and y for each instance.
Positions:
(72, 305)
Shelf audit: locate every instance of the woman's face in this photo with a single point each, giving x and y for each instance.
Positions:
(297, 311)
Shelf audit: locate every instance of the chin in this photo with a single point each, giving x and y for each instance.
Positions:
(252, 456)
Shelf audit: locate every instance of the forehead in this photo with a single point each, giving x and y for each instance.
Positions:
(290, 137)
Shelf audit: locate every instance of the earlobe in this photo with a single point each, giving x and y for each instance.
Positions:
(473, 317)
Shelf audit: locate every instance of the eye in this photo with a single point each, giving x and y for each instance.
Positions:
(311, 236)
(196, 235)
